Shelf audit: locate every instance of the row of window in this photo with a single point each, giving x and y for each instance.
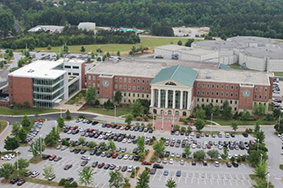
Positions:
(91, 77)
(260, 97)
(94, 85)
(217, 86)
(222, 94)
(74, 73)
(129, 88)
(136, 95)
(134, 80)
(215, 100)
(68, 67)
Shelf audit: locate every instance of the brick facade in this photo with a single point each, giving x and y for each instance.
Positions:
(23, 93)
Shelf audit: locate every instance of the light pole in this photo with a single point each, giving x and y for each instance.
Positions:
(40, 145)
(17, 152)
(115, 114)
(268, 176)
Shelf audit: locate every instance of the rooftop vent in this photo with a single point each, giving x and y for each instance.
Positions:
(30, 71)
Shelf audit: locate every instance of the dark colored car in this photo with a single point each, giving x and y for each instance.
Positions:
(69, 179)
(194, 163)
(158, 166)
(94, 164)
(106, 166)
(84, 163)
(14, 180)
(101, 165)
(228, 165)
(124, 168)
(152, 171)
(21, 182)
(67, 167)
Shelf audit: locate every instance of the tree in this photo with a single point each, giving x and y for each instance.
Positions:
(137, 109)
(22, 135)
(260, 136)
(37, 147)
(245, 115)
(200, 124)
(16, 128)
(49, 47)
(159, 148)
(83, 49)
(200, 113)
(26, 122)
(255, 157)
(7, 170)
(11, 143)
(227, 110)
(234, 126)
(91, 144)
(261, 170)
(277, 113)
(257, 127)
(116, 180)
(189, 42)
(279, 127)
(48, 171)
(102, 144)
(180, 43)
(140, 143)
(99, 50)
(86, 176)
(143, 180)
(68, 115)
(60, 122)
(108, 105)
(213, 154)
(81, 140)
(171, 183)
(127, 183)
(129, 118)
(112, 145)
(90, 96)
(259, 109)
(118, 53)
(51, 139)
(199, 155)
(187, 150)
(118, 97)
(21, 166)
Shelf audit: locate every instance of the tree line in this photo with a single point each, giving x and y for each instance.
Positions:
(69, 36)
(231, 18)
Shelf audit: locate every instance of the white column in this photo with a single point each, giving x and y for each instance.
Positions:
(174, 99)
(181, 100)
(152, 98)
(188, 101)
(166, 98)
(159, 98)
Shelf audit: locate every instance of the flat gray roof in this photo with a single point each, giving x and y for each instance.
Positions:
(185, 50)
(216, 44)
(234, 76)
(252, 39)
(272, 53)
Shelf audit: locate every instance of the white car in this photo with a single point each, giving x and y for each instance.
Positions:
(171, 161)
(126, 157)
(130, 168)
(164, 161)
(34, 174)
(182, 162)
(281, 152)
(124, 140)
(216, 164)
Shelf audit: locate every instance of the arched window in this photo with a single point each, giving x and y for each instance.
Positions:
(169, 112)
(184, 113)
(177, 113)
(170, 84)
(154, 111)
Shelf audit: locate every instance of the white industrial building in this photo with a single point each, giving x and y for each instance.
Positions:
(89, 26)
(185, 53)
(256, 53)
(47, 28)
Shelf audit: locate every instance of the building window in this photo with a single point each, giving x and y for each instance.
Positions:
(129, 80)
(147, 89)
(207, 100)
(147, 81)
(76, 74)
(212, 86)
(235, 108)
(89, 78)
(142, 95)
(143, 88)
(93, 78)
(98, 85)
(221, 101)
(143, 81)
(202, 100)
(67, 67)
(134, 88)
(134, 80)
(232, 87)
(231, 94)
(217, 93)
(207, 93)
(217, 86)
(227, 94)
(69, 73)
(125, 79)
(198, 85)
(139, 81)
(120, 79)
(197, 99)
(231, 102)
(255, 96)
(138, 95)
(265, 89)
(211, 100)
(116, 79)
(125, 100)
(98, 78)
(222, 86)
(134, 94)
(125, 87)
(260, 96)
(146, 96)
(138, 88)
(237, 87)
(198, 92)
(216, 100)
(265, 97)
(75, 67)
(212, 93)
(203, 85)
(256, 88)
(236, 95)
(208, 86)
(129, 87)
(93, 85)
(202, 92)
(222, 94)
(125, 94)
(227, 86)
(120, 86)
(116, 86)
(236, 102)
(129, 101)
(129, 94)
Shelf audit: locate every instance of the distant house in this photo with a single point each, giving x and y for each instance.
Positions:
(47, 28)
(89, 26)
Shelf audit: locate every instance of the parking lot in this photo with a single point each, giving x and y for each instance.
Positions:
(196, 176)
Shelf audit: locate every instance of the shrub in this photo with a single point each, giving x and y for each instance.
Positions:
(138, 118)
(152, 159)
(67, 184)
(62, 182)
(74, 184)
(145, 118)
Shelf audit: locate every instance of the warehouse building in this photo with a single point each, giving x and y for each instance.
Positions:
(46, 83)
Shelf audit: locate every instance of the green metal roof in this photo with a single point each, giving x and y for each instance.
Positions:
(178, 73)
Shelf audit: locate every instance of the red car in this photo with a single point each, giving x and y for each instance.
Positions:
(146, 163)
(101, 165)
(90, 130)
(118, 127)
(114, 155)
(52, 157)
(109, 126)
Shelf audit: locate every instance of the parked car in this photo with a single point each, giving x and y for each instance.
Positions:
(67, 167)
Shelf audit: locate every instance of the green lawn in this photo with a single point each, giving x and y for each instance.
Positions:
(3, 125)
(120, 111)
(281, 167)
(278, 74)
(113, 48)
(235, 66)
(28, 111)
(229, 122)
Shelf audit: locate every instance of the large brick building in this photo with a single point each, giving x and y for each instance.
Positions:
(46, 83)
(178, 89)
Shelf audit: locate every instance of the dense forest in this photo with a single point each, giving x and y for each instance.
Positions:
(229, 17)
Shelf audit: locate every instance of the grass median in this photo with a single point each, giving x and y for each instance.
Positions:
(25, 111)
